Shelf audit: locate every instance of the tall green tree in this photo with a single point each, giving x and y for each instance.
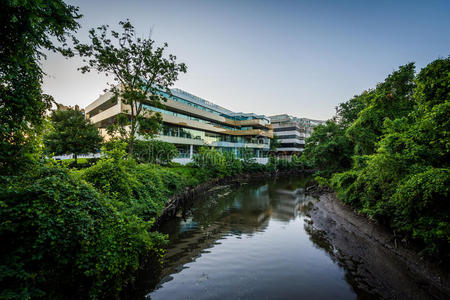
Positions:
(391, 99)
(140, 71)
(27, 29)
(71, 133)
(347, 112)
(274, 143)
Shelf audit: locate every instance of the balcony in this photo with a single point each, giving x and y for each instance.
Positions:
(254, 123)
(255, 132)
(106, 114)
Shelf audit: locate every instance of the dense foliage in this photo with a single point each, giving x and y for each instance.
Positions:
(71, 133)
(140, 189)
(27, 28)
(397, 137)
(153, 151)
(60, 235)
(328, 149)
(219, 164)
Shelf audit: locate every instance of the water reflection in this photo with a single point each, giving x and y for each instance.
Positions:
(251, 241)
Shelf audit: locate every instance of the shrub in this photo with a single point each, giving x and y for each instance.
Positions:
(59, 235)
(153, 151)
(233, 164)
(323, 182)
(282, 164)
(140, 189)
(81, 163)
(249, 164)
(346, 187)
(212, 161)
(421, 210)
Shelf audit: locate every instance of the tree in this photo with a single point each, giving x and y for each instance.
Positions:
(140, 73)
(347, 112)
(71, 133)
(26, 29)
(391, 99)
(274, 143)
(328, 149)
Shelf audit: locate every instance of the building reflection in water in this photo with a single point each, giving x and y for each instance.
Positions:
(229, 211)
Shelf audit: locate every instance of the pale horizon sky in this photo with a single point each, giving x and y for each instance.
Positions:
(268, 57)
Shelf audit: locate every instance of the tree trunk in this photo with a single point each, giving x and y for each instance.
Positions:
(131, 139)
(131, 146)
(75, 157)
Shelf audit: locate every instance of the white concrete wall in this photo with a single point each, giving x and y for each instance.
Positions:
(183, 161)
(262, 160)
(70, 156)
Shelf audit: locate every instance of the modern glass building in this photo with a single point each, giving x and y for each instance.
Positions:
(292, 132)
(190, 122)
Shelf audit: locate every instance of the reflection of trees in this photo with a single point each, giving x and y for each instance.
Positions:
(240, 209)
(230, 211)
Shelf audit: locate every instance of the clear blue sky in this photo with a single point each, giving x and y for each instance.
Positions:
(269, 57)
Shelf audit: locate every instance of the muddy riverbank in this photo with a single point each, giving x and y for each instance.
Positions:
(376, 262)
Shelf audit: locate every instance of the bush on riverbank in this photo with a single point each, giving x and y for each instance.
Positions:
(153, 151)
(140, 189)
(400, 172)
(219, 164)
(60, 235)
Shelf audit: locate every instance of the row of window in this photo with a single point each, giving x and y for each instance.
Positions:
(176, 114)
(290, 136)
(291, 129)
(284, 129)
(208, 137)
(291, 145)
(184, 151)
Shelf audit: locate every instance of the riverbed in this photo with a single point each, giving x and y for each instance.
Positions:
(268, 240)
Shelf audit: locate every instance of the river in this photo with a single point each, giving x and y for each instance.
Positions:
(254, 241)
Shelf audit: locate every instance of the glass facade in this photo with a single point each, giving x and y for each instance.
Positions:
(208, 137)
(184, 116)
(293, 136)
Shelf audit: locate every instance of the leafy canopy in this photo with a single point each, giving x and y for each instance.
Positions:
(328, 149)
(140, 72)
(72, 133)
(27, 28)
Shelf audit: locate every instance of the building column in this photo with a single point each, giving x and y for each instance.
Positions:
(191, 150)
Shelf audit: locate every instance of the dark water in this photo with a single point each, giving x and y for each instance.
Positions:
(255, 241)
